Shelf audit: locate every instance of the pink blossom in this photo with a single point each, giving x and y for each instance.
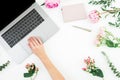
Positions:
(94, 16)
(89, 64)
(102, 31)
(97, 42)
(84, 69)
(85, 60)
(88, 60)
(52, 3)
(100, 36)
(27, 66)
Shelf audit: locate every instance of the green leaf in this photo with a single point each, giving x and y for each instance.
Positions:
(109, 43)
(26, 75)
(116, 45)
(110, 23)
(32, 70)
(99, 73)
(103, 9)
(90, 2)
(94, 73)
(0, 68)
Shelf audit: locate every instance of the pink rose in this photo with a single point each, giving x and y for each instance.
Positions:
(52, 3)
(94, 16)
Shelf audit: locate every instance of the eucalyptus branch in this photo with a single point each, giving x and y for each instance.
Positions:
(104, 3)
(106, 7)
(116, 23)
(4, 65)
(113, 68)
(112, 10)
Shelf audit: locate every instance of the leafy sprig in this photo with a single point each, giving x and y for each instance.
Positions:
(113, 68)
(106, 38)
(106, 6)
(103, 3)
(32, 69)
(3, 66)
(116, 23)
(92, 69)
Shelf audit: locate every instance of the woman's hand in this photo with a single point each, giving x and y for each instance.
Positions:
(36, 46)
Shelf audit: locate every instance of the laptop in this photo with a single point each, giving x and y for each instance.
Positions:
(20, 19)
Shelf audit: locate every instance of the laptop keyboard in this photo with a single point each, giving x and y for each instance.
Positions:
(22, 28)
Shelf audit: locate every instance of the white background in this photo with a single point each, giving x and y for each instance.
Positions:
(67, 49)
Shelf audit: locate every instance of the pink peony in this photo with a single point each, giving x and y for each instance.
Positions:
(52, 3)
(94, 16)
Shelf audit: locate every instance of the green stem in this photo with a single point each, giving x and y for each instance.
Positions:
(115, 71)
(35, 76)
(109, 33)
(30, 78)
(4, 65)
(105, 56)
(113, 11)
(103, 12)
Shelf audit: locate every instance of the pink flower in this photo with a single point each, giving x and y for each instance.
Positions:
(94, 16)
(100, 36)
(84, 69)
(27, 66)
(102, 31)
(52, 3)
(97, 42)
(90, 64)
(88, 60)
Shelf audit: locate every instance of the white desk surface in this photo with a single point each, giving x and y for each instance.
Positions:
(67, 49)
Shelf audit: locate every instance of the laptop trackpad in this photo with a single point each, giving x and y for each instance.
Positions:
(45, 30)
(17, 54)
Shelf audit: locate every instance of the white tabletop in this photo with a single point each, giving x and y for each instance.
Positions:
(67, 49)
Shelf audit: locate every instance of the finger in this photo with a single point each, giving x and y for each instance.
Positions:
(33, 41)
(31, 45)
(38, 38)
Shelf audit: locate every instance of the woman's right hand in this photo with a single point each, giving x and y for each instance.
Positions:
(36, 46)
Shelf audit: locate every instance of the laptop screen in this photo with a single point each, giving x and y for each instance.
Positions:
(10, 9)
